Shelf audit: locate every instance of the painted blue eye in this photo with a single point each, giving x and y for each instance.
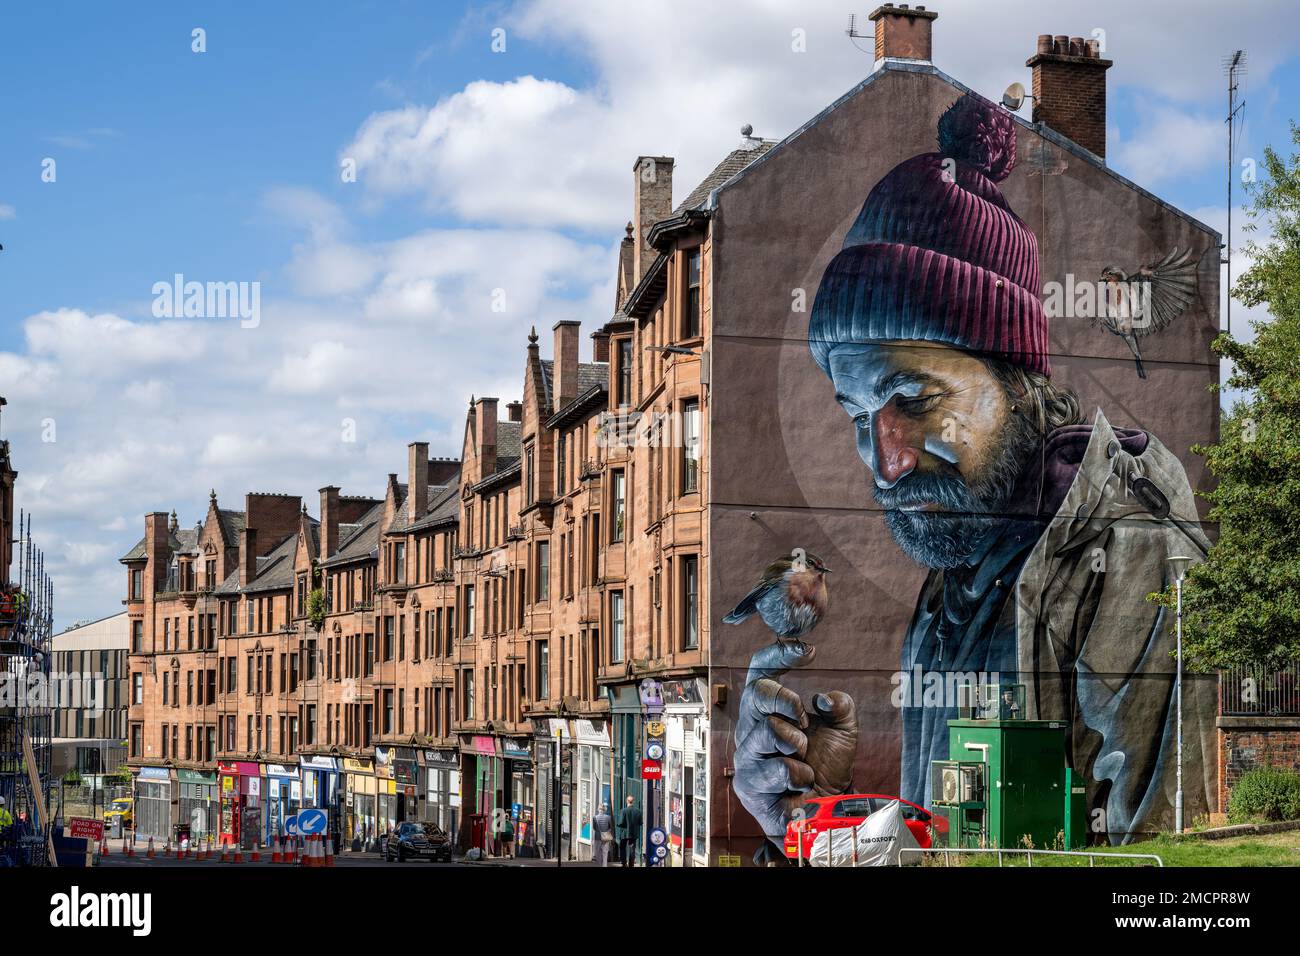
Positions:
(862, 422)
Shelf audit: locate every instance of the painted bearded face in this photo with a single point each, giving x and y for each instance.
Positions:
(937, 431)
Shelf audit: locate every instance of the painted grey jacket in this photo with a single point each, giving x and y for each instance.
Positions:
(1093, 651)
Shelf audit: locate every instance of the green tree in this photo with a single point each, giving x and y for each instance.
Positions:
(316, 608)
(1242, 604)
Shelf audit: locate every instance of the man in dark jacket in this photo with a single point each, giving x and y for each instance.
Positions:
(629, 831)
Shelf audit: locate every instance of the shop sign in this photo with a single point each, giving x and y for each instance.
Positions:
(358, 766)
(319, 763)
(727, 859)
(655, 728)
(384, 762)
(485, 745)
(279, 770)
(594, 732)
(652, 770)
(155, 773)
(559, 727)
(654, 750)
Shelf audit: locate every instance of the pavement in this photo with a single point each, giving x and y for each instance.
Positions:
(117, 858)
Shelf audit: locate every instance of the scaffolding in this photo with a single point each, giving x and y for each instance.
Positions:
(26, 706)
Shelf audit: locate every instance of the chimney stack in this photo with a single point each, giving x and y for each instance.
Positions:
(443, 471)
(486, 428)
(247, 556)
(902, 33)
(417, 480)
(1069, 88)
(652, 178)
(329, 521)
(564, 379)
(157, 549)
(600, 346)
(515, 411)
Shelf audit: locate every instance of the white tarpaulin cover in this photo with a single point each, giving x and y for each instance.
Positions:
(878, 839)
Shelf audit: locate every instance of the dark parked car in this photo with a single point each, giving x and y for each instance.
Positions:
(417, 841)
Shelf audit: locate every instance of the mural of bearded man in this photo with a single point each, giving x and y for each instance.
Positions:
(1044, 528)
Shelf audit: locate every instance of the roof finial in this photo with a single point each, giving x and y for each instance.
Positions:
(629, 228)
(532, 335)
(212, 496)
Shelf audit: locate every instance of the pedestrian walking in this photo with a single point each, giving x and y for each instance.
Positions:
(507, 837)
(629, 831)
(602, 825)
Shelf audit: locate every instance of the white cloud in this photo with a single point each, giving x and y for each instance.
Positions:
(7, 211)
(1168, 142)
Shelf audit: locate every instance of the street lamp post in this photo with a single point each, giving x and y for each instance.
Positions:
(1178, 564)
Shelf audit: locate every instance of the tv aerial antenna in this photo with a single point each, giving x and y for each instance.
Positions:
(854, 36)
(1235, 67)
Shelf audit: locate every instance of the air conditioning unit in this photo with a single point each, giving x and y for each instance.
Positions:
(955, 782)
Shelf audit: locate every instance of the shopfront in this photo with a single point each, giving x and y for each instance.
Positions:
(320, 788)
(361, 821)
(685, 776)
(406, 783)
(200, 805)
(283, 797)
(627, 746)
(520, 792)
(153, 803)
(242, 804)
(442, 783)
(593, 779)
(386, 788)
(546, 734)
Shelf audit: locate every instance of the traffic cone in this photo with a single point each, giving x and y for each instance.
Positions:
(295, 851)
(167, 850)
(238, 855)
(152, 854)
(103, 846)
(225, 852)
(127, 849)
(256, 855)
(276, 855)
(329, 852)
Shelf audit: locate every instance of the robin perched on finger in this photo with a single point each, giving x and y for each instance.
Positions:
(791, 597)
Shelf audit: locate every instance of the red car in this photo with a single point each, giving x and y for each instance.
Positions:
(848, 810)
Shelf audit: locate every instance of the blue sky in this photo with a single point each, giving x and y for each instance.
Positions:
(480, 171)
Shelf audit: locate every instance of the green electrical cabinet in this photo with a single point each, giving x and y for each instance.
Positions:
(1024, 793)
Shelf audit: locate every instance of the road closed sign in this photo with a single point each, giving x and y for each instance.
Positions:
(81, 828)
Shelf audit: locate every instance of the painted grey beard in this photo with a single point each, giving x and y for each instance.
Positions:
(945, 538)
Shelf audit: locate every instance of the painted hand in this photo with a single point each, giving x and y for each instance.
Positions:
(784, 750)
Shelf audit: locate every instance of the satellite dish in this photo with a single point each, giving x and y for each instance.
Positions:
(1014, 97)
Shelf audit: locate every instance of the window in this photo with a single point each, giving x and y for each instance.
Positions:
(690, 446)
(619, 493)
(137, 585)
(543, 670)
(691, 314)
(691, 601)
(543, 571)
(137, 688)
(616, 626)
(469, 610)
(399, 562)
(624, 388)
(137, 636)
(530, 493)
(561, 459)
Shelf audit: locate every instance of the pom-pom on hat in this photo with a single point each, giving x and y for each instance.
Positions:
(937, 255)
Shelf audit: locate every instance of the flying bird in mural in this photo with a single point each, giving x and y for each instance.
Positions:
(791, 598)
(1147, 300)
